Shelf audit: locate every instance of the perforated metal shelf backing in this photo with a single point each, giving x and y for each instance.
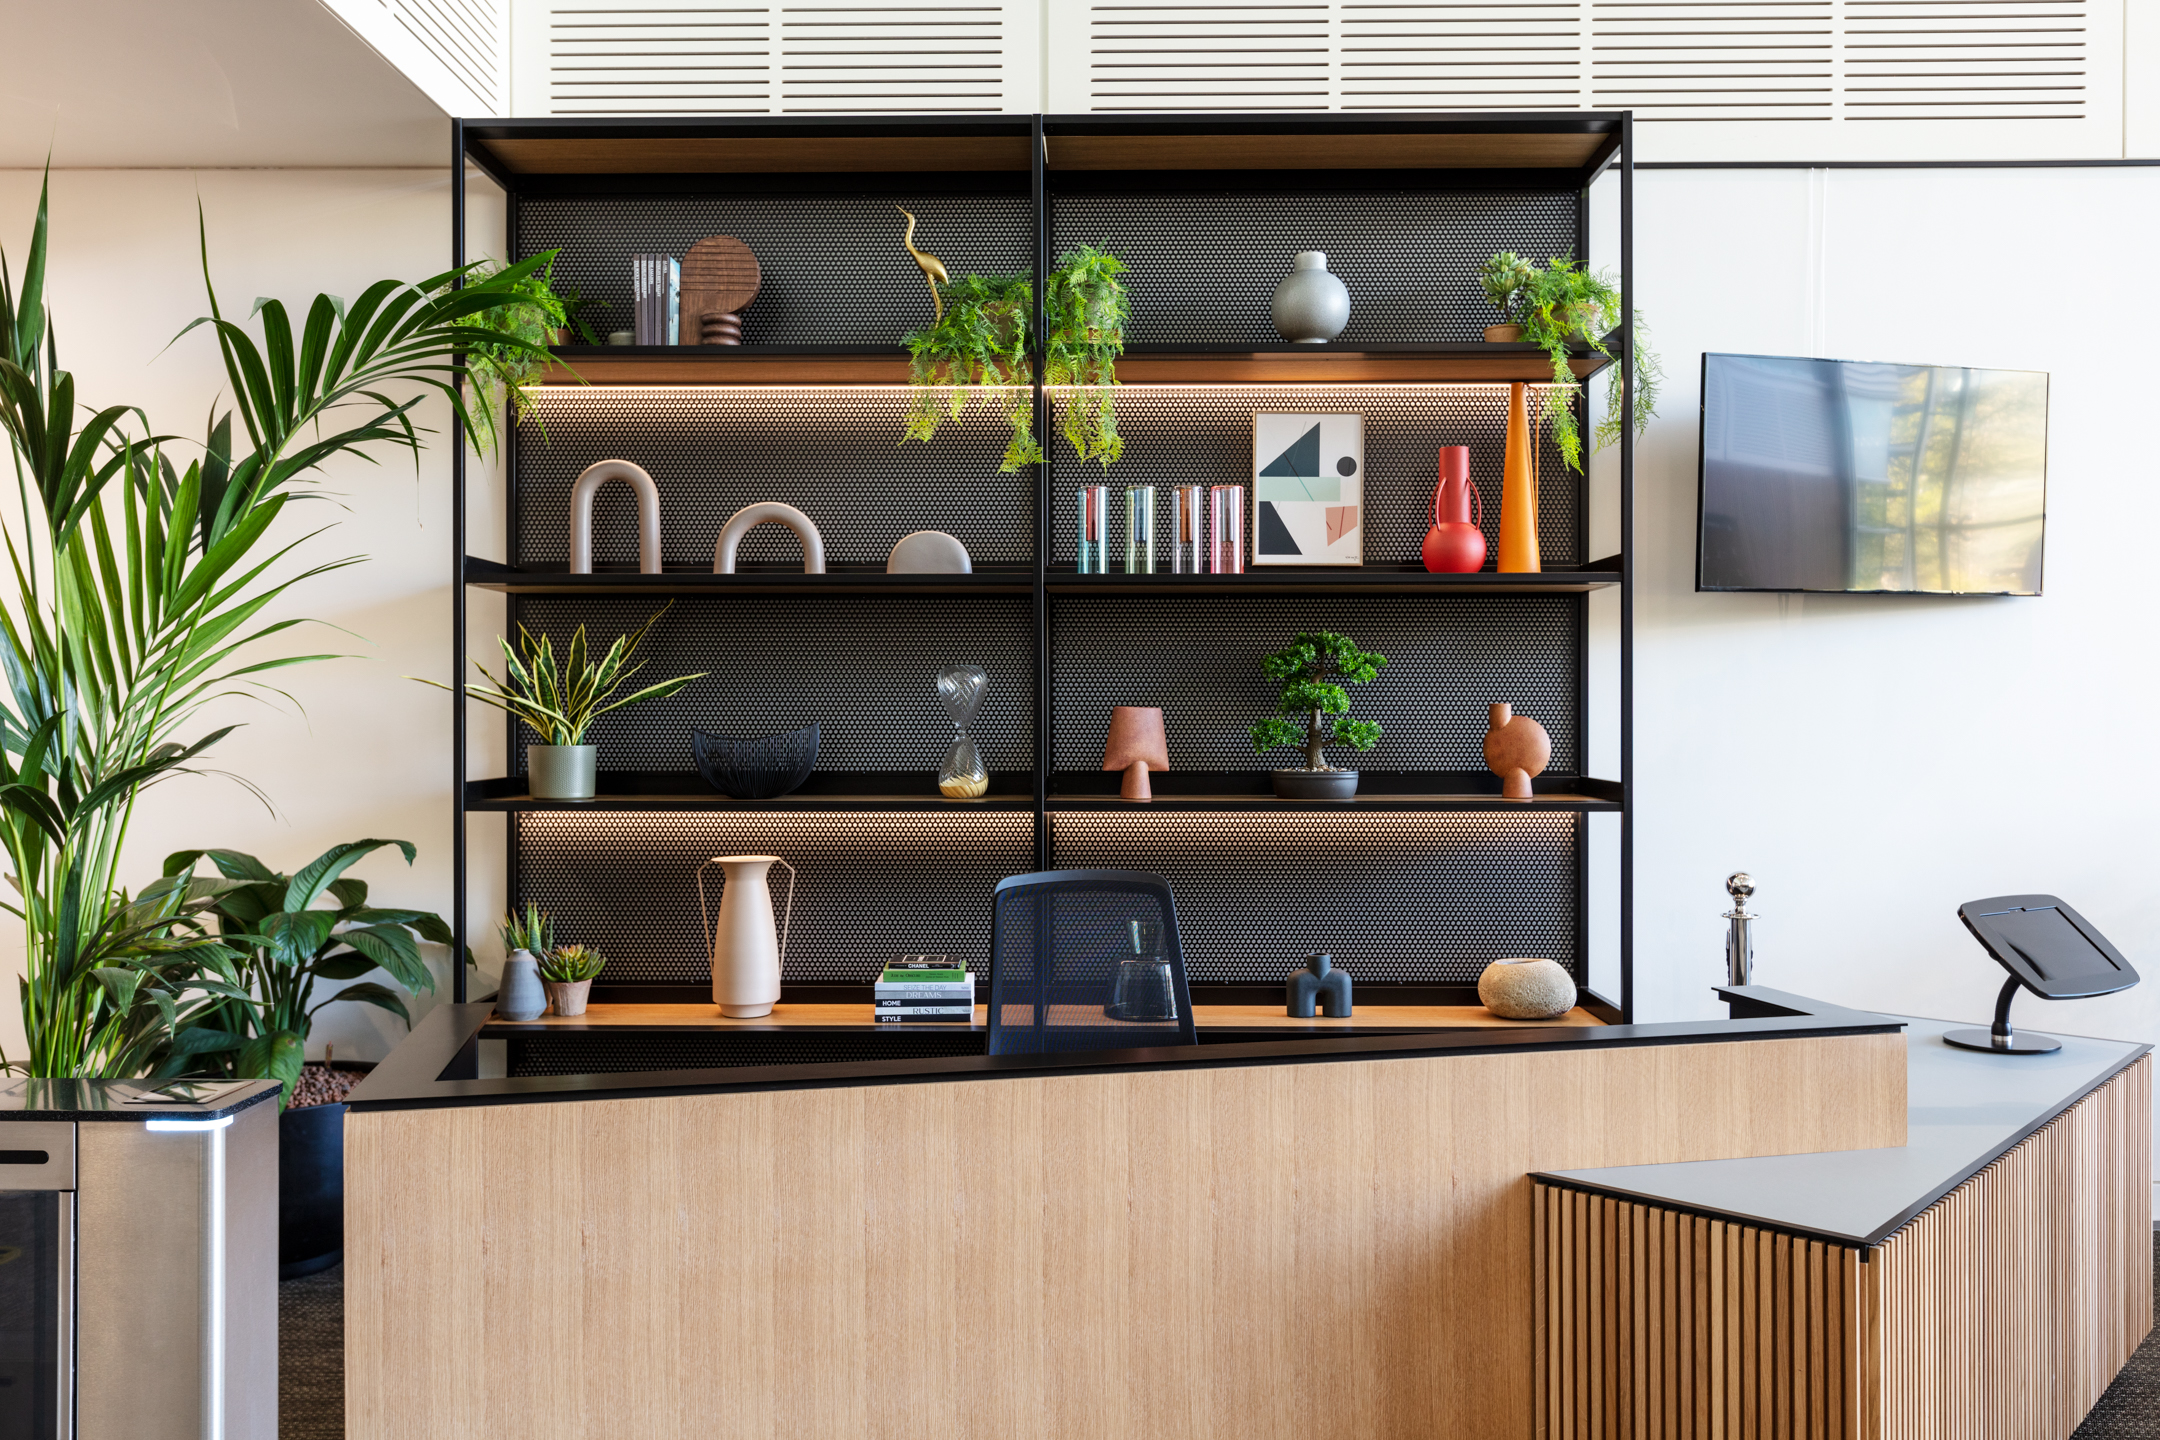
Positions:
(1202, 269)
(871, 887)
(831, 268)
(1449, 657)
(775, 663)
(617, 1054)
(1400, 898)
(1205, 437)
(833, 454)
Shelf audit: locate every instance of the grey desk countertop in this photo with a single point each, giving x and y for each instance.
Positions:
(1967, 1109)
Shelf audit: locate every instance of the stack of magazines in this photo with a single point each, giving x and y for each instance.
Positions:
(925, 990)
(656, 299)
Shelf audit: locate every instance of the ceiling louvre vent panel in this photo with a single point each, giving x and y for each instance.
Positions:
(468, 37)
(1507, 55)
(684, 60)
(1163, 58)
(1684, 60)
(883, 59)
(1966, 60)
(646, 57)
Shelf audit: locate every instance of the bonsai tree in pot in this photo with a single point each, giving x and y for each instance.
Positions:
(559, 702)
(278, 938)
(1563, 305)
(1312, 671)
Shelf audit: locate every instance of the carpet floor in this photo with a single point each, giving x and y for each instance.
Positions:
(311, 1368)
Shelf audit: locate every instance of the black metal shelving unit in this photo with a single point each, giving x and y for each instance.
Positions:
(1414, 885)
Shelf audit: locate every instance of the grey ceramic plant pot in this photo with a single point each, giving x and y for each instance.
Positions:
(519, 995)
(1316, 784)
(562, 772)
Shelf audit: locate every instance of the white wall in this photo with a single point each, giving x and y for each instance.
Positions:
(369, 757)
(1874, 761)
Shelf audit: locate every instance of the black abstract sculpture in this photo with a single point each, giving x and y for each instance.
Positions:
(1319, 980)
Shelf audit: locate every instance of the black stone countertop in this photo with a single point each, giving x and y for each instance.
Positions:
(438, 1063)
(126, 1100)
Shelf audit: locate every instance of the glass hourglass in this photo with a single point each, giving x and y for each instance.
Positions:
(962, 776)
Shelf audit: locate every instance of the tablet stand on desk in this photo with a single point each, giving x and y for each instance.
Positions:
(2049, 949)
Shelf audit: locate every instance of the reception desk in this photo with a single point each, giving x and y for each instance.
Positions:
(1315, 1236)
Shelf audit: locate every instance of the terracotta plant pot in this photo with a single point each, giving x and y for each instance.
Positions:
(1504, 334)
(567, 997)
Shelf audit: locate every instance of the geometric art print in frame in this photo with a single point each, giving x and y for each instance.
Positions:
(1308, 489)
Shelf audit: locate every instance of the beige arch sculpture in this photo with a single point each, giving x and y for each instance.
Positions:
(648, 512)
(739, 524)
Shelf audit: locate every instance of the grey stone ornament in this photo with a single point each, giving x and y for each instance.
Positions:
(929, 552)
(1320, 981)
(1526, 989)
(1311, 306)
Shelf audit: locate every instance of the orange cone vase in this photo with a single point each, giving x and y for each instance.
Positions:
(1518, 491)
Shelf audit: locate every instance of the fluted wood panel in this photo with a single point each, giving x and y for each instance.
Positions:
(2002, 1311)
(1335, 1251)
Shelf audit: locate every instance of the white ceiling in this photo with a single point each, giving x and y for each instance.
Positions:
(204, 84)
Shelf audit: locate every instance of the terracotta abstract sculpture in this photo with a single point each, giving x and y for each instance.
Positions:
(1517, 749)
(740, 523)
(1136, 745)
(581, 503)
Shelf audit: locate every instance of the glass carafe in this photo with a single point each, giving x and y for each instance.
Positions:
(962, 776)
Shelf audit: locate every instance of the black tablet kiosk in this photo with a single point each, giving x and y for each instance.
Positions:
(2049, 949)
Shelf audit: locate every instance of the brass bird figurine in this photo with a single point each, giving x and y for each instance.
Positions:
(933, 269)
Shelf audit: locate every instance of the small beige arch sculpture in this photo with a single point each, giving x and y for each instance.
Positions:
(740, 523)
(581, 503)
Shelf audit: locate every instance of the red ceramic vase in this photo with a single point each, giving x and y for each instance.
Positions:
(1456, 543)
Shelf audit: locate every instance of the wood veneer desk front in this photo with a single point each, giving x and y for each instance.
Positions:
(1309, 1237)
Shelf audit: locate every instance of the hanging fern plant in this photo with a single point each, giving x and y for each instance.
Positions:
(1563, 304)
(977, 351)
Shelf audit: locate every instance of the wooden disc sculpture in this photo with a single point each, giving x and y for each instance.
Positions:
(1517, 749)
(720, 278)
(1136, 745)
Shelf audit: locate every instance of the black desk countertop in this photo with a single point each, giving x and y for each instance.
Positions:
(1967, 1109)
(126, 1100)
(438, 1063)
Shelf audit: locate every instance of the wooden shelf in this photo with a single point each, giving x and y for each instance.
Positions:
(1470, 363)
(1257, 804)
(1270, 1018)
(553, 580)
(830, 790)
(1318, 580)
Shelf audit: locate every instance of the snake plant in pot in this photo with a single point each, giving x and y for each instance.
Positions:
(135, 587)
(559, 701)
(279, 935)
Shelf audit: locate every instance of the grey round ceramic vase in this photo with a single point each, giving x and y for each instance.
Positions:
(1311, 306)
(520, 995)
(562, 772)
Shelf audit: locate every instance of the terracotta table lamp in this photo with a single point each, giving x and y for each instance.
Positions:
(1516, 749)
(1136, 746)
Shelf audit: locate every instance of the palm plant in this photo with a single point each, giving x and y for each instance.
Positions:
(560, 702)
(137, 586)
(276, 942)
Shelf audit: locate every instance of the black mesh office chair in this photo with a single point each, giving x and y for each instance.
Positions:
(1086, 960)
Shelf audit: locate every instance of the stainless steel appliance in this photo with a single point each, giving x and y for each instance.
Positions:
(138, 1260)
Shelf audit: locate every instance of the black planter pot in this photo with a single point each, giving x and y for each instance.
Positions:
(311, 1187)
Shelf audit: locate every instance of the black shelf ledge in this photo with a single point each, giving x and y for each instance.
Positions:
(867, 791)
(1335, 580)
(556, 580)
(1253, 793)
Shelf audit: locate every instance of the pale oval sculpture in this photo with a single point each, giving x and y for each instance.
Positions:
(929, 552)
(1526, 989)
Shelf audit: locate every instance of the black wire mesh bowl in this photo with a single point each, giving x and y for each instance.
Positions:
(756, 769)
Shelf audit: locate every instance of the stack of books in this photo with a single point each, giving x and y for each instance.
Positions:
(925, 990)
(656, 299)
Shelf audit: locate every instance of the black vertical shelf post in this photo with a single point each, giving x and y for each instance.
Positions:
(1044, 496)
(1627, 567)
(458, 817)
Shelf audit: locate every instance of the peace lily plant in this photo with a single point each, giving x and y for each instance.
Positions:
(137, 586)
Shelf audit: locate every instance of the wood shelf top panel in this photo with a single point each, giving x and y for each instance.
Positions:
(602, 1018)
(1468, 363)
(489, 575)
(1253, 804)
(1357, 579)
(757, 154)
(1410, 150)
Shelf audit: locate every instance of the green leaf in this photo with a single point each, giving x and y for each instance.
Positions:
(380, 996)
(314, 877)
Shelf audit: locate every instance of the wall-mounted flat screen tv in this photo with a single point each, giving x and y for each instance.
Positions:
(1846, 475)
